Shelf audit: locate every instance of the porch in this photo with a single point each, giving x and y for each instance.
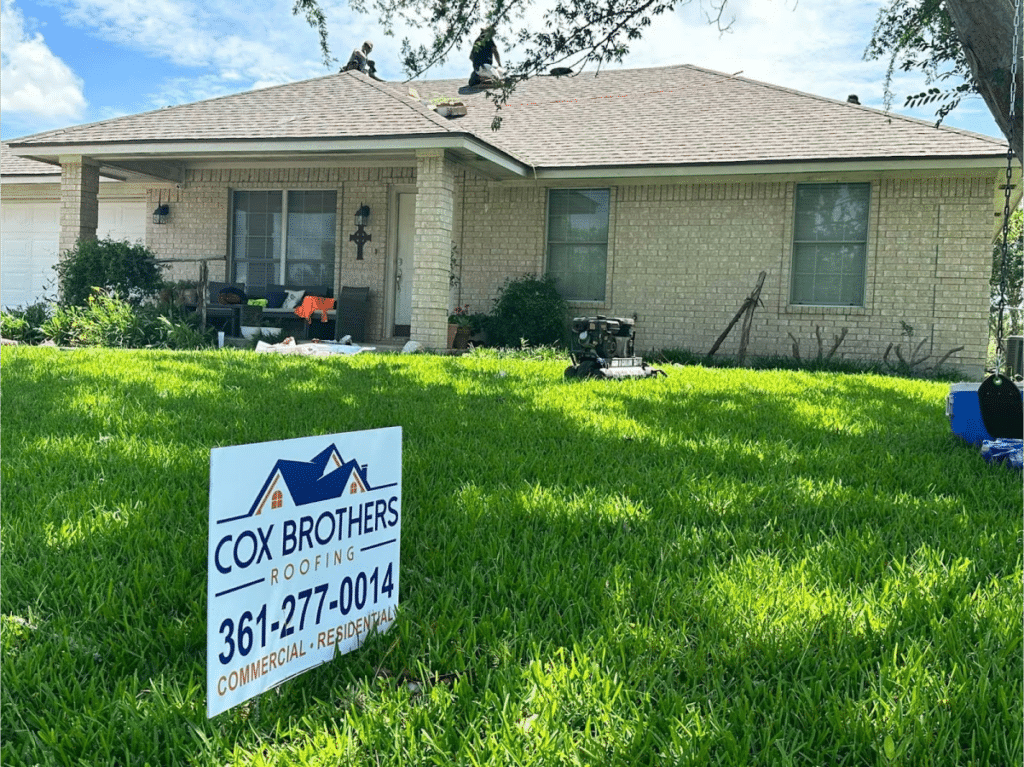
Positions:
(288, 223)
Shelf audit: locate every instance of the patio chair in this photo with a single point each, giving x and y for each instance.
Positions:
(353, 310)
(218, 311)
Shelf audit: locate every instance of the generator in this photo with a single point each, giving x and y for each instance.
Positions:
(602, 347)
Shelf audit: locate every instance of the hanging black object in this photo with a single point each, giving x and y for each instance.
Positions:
(1002, 410)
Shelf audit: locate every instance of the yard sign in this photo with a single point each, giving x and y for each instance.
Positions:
(303, 556)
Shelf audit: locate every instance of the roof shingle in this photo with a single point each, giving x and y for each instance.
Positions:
(666, 116)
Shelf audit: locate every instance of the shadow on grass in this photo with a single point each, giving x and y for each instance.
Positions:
(718, 543)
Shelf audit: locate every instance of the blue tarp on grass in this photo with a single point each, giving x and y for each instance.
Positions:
(999, 450)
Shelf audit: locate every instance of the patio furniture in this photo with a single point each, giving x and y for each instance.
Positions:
(353, 310)
(285, 314)
(218, 311)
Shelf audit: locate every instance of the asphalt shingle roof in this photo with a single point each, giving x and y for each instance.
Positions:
(343, 105)
(12, 165)
(678, 115)
(684, 115)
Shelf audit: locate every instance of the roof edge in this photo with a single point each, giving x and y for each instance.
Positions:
(755, 167)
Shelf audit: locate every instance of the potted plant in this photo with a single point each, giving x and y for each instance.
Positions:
(460, 325)
(478, 328)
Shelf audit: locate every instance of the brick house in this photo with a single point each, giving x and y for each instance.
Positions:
(655, 192)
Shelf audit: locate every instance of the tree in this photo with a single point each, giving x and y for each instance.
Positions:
(1013, 266)
(575, 32)
(966, 43)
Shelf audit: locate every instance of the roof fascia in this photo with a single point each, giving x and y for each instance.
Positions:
(238, 149)
(773, 168)
(38, 178)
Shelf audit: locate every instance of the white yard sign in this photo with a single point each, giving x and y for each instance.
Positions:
(303, 556)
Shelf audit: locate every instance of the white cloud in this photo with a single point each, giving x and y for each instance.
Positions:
(255, 41)
(36, 87)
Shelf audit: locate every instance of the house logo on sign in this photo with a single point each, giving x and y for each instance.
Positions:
(291, 484)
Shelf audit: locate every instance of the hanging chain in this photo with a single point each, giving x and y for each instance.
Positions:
(1008, 185)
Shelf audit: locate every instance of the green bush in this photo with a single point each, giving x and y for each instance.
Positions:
(115, 266)
(114, 322)
(529, 309)
(13, 327)
(24, 325)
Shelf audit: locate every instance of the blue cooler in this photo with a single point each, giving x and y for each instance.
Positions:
(963, 408)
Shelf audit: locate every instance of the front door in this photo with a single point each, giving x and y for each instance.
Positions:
(405, 264)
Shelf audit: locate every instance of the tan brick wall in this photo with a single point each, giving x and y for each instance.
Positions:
(683, 257)
(435, 204)
(501, 236)
(79, 201)
(199, 225)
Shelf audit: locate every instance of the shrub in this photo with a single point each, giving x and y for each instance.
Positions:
(114, 322)
(1014, 277)
(529, 309)
(114, 266)
(25, 325)
(13, 327)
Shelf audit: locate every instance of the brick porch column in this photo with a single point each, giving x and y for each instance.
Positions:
(79, 205)
(435, 209)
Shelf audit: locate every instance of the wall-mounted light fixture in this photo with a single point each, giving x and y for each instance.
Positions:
(163, 210)
(360, 237)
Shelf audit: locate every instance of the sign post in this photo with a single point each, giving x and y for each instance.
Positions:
(303, 556)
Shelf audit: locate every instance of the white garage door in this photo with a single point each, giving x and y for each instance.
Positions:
(29, 233)
(123, 220)
(29, 241)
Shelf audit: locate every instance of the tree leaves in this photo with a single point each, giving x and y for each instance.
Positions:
(918, 35)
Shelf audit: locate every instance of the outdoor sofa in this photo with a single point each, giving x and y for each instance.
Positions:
(349, 316)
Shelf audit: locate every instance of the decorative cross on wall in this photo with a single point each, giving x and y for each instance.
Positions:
(360, 238)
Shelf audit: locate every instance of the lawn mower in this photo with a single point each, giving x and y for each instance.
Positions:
(603, 348)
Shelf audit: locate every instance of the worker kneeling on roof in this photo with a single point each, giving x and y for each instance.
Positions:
(485, 59)
(360, 61)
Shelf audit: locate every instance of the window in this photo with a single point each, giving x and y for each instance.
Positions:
(297, 249)
(277, 500)
(578, 242)
(830, 237)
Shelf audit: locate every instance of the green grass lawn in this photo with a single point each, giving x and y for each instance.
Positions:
(719, 567)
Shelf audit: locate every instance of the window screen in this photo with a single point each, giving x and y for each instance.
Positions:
(578, 242)
(299, 250)
(830, 244)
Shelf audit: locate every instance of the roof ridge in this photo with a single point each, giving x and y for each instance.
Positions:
(430, 114)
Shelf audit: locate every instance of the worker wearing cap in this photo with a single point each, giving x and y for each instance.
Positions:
(360, 61)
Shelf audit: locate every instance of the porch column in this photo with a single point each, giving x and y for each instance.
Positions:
(435, 208)
(79, 205)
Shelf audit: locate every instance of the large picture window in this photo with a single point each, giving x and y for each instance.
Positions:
(578, 242)
(830, 238)
(293, 249)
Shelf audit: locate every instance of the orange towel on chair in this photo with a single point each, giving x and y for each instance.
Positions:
(312, 304)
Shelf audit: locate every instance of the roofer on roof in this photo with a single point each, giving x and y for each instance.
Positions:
(484, 56)
(360, 61)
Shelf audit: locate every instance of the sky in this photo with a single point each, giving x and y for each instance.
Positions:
(67, 62)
